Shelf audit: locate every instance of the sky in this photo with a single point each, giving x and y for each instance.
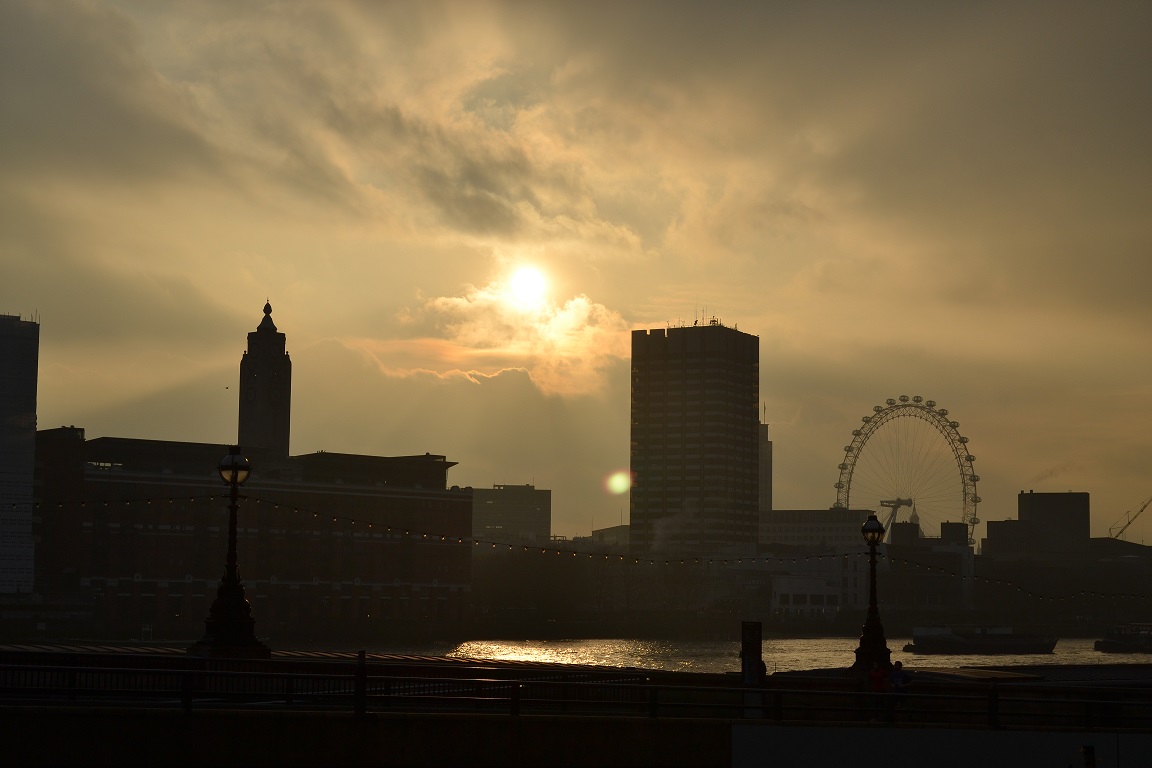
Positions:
(458, 211)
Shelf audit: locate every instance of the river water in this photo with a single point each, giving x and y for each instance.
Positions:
(716, 656)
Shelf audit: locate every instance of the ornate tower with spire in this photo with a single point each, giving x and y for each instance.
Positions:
(265, 390)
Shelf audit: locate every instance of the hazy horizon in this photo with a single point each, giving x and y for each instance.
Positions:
(458, 211)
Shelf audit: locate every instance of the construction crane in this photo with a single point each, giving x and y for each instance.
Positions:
(1129, 517)
(894, 505)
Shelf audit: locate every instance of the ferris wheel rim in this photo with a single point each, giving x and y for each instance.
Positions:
(917, 407)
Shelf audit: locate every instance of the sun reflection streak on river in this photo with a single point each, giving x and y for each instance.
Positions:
(780, 654)
(678, 656)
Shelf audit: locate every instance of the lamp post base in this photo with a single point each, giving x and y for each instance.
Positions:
(229, 645)
(234, 641)
(230, 630)
(866, 657)
(873, 649)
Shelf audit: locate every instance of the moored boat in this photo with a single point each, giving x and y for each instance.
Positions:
(978, 641)
(1127, 638)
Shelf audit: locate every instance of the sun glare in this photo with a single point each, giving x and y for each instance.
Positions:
(618, 482)
(527, 288)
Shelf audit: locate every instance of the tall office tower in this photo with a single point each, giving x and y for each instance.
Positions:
(265, 390)
(19, 355)
(695, 440)
(765, 468)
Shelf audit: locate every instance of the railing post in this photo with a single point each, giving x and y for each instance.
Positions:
(186, 685)
(653, 702)
(778, 706)
(290, 690)
(516, 700)
(993, 707)
(361, 687)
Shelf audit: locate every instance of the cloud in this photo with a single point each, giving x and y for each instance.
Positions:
(565, 348)
(81, 101)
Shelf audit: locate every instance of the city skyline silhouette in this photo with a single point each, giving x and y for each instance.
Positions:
(378, 548)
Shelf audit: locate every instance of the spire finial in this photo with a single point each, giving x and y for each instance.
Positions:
(266, 324)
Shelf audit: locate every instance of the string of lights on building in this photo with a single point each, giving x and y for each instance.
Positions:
(558, 551)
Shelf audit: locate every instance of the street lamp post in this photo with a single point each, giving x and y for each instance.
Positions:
(873, 648)
(229, 630)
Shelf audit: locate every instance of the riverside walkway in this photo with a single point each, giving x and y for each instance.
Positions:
(125, 705)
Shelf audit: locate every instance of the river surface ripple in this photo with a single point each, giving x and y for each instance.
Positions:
(716, 656)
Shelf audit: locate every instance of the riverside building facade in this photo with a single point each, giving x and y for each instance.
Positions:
(134, 533)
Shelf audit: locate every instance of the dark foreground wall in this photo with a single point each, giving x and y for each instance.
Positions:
(880, 747)
(75, 737)
(30, 737)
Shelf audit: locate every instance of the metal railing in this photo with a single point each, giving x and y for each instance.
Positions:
(361, 688)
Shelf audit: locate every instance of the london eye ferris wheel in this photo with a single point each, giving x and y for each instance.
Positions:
(908, 461)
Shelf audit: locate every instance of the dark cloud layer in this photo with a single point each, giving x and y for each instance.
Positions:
(80, 101)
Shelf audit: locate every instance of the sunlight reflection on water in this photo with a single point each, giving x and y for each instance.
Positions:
(680, 656)
(780, 654)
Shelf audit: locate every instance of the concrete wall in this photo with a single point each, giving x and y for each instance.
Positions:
(885, 747)
(171, 737)
(40, 736)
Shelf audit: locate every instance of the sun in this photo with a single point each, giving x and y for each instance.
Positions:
(527, 288)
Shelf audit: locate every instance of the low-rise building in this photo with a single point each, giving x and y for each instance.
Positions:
(512, 514)
(818, 529)
(329, 545)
